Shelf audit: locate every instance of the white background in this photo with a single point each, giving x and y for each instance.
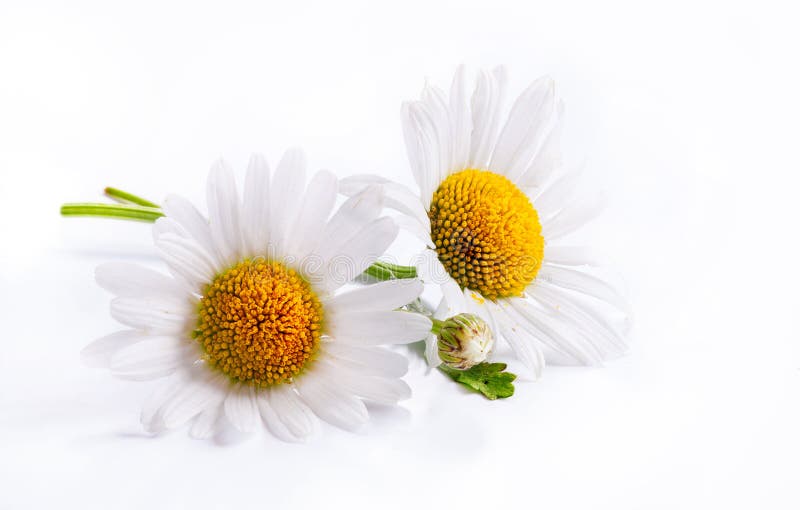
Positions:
(685, 114)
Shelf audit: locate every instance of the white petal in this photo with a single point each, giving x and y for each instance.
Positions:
(317, 204)
(529, 123)
(287, 188)
(132, 280)
(240, 408)
(595, 327)
(152, 314)
(548, 160)
(375, 328)
(98, 353)
(205, 424)
(202, 390)
(556, 196)
(538, 326)
(151, 357)
(424, 147)
(382, 390)
(195, 224)
(256, 205)
(524, 345)
(368, 360)
(570, 219)
(584, 283)
(151, 416)
(387, 295)
(432, 341)
(352, 216)
(330, 402)
(297, 418)
(434, 103)
(186, 260)
(395, 196)
(224, 210)
(487, 99)
(350, 257)
(570, 256)
(461, 121)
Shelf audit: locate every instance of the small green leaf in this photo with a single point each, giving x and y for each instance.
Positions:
(486, 378)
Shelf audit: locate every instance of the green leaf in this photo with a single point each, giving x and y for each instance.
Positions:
(490, 379)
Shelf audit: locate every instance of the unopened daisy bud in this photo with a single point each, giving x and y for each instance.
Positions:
(464, 341)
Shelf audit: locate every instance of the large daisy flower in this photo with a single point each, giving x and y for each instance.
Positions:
(493, 204)
(249, 322)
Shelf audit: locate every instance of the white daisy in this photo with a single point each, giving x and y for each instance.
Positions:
(249, 322)
(493, 203)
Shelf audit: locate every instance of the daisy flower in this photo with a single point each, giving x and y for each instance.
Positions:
(250, 323)
(493, 206)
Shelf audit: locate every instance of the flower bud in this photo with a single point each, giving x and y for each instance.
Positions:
(464, 341)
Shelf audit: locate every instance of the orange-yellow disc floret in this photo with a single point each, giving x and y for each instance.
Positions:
(259, 323)
(487, 233)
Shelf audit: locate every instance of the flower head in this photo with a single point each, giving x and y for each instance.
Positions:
(464, 341)
(493, 206)
(250, 324)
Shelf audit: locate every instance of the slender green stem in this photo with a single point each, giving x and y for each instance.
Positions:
(116, 211)
(387, 271)
(129, 198)
(437, 325)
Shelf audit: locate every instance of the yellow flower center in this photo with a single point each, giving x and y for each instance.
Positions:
(259, 323)
(487, 233)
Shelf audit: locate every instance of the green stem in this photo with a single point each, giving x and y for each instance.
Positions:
(387, 271)
(116, 211)
(437, 325)
(130, 198)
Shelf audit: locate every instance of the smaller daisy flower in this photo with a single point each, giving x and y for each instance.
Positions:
(250, 324)
(493, 205)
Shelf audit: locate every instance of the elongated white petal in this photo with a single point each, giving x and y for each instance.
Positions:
(395, 196)
(98, 354)
(240, 408)
(524, 345)
(556, 196)
(295, 416)
(572, 218)
(255, 206)
(376, 328)
(150, 358)
(557, 340)
(584, 283)
(460, 120)
(382, 390)
(132, 280)
(529, 123)
(195, 224)
(570, 256)
(185, 260)
(548, 160)
(273, 420)
(486, 100)
(351, 257)
(151, 315)
(330, 402)
(597, 328)
(286, 189)
(202, 390)
(356, 212)
(317, 204)
(368, 360)
(205, 424)
(224, 210)
(387, 295)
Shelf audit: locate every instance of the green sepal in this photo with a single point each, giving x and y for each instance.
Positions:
(489, 379)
